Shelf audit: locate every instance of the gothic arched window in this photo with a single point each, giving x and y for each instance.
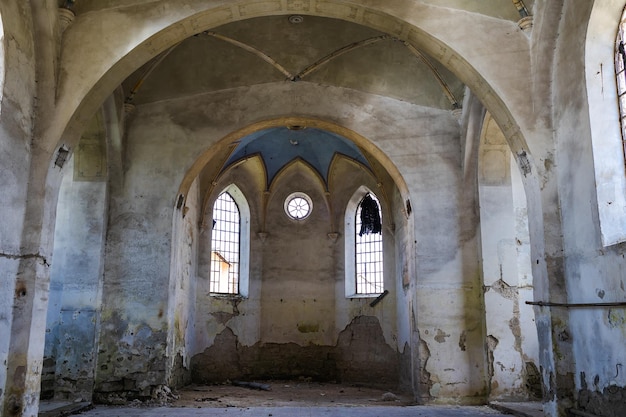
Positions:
(364, 267)
(225, 246)
(368, 247)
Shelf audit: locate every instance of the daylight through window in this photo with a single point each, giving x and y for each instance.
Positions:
(225, 246)
(298, 206)
(369, 248)
(620, 73)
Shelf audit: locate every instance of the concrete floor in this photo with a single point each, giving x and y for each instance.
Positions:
(371, 411)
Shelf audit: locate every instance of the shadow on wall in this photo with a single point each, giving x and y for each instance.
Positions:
(360, 356)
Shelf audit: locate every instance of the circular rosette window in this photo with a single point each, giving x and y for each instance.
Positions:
(298, 206)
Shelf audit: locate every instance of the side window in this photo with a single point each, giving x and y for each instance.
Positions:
(620, 74)
(604, 68)
(364, 246)
(225, 246)
(368, 247)
(2, 64)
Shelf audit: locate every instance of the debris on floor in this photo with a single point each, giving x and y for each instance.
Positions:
(252, 385)
(287, 393)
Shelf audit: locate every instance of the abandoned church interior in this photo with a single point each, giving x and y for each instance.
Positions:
(423, 195)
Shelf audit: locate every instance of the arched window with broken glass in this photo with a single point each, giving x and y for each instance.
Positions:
(368, 247)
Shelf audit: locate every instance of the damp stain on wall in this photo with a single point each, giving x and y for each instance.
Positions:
(361, 355)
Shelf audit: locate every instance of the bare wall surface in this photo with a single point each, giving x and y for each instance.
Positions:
(545, 88)
(513, 354)
(75, 283)
(595, 273)
(16, 130)
(422, 143)
(296, 320)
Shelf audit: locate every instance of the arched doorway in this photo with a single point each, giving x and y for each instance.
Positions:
(403, 207)
(295, 313)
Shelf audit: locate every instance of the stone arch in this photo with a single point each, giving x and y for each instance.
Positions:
(481, 72)
(188, 191)
(229, 139)
(130, 50)
(90, 94)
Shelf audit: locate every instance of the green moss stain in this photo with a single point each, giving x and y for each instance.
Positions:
(308, 328)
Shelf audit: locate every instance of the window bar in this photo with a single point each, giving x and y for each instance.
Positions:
(225, 246)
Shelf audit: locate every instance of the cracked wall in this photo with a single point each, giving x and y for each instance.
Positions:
(16, 135)
(552, 113)
(511, 336)
(296, 320)
(144, 309)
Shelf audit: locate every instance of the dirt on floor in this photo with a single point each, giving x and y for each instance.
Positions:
(286, 393)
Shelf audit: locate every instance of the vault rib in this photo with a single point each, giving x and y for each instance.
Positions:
(252, 50)
(337, 53)
(440, 80)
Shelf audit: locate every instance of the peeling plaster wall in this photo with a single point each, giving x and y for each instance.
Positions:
(513, 360)
(404, 242)
(185, 236)
(166, 137)
(138, 330)
(18, 90)
(296, 320)
(594, 273)
(75, 283)
(446, 307)
(134, 323)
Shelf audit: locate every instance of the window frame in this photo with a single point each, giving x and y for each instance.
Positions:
(604, 121)
(620, 77)
(244, 243)
(351, 234)
(287, 205)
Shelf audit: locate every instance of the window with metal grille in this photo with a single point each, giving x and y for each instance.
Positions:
(620, 74)
(369, 254)
(225, 246)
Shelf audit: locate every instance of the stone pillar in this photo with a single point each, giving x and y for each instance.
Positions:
(546, 239)
(25, 356)
(30, 298)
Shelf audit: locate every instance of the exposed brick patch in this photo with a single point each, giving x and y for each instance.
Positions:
(360, 356)
(364, 356)
(611, 402)
(179, 375)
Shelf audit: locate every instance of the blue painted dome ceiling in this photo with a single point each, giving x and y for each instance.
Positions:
(277, 147)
